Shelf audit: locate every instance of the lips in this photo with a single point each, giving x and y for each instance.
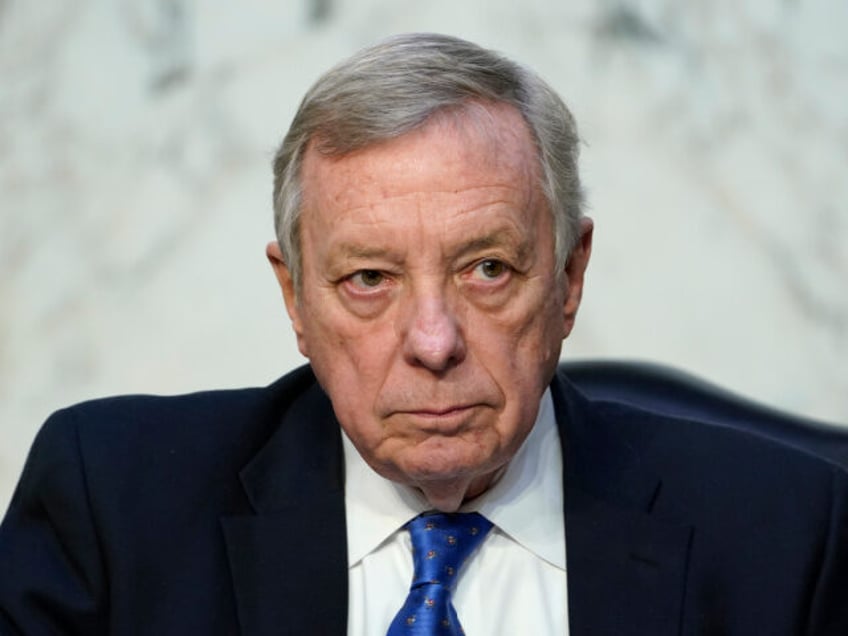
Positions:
(442, 420)
(438, 412)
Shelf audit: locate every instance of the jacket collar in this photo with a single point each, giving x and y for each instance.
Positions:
(289, 560)
(626, 568)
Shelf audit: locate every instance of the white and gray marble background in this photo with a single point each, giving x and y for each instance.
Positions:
(136, 136)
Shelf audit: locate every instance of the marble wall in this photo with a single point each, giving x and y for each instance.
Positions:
(135, 140)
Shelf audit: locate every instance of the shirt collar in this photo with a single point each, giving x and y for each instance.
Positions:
(526, 503)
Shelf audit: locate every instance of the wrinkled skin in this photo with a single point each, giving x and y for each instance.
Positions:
(430, 307)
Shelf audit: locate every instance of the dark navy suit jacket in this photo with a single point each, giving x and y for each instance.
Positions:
(223, 513)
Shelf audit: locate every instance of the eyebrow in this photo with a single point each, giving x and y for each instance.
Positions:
(499, 238)
(357, 250)
(503, 237)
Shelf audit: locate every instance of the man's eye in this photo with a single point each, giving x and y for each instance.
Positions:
(367, 278)
(490, 269)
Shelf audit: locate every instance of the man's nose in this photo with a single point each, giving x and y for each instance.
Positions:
(433, 335)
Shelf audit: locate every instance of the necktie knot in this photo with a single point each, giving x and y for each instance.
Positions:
(441, 542)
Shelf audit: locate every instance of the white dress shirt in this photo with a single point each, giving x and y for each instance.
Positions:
(514, 584)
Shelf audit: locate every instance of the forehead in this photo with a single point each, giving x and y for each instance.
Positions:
(453, 150)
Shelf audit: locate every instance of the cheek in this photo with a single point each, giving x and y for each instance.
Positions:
(520, 350)
(358, 359)
(349, 356)
(526, 331)
(330, 329)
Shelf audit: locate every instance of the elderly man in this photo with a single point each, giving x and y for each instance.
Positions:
(431, 254)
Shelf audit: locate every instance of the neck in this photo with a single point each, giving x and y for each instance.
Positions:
(449, 496)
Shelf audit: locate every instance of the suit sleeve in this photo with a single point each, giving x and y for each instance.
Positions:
(51, 571)
(829, 609)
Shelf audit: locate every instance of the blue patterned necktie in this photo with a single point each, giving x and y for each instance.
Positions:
(440, 544)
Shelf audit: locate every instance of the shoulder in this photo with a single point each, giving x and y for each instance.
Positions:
(700, 463)
(137, 437)
(177, 459)
(716, 428)
(137, 418)
(668, 395)
(749, 500)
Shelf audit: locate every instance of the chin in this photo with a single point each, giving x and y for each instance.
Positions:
(445, 464)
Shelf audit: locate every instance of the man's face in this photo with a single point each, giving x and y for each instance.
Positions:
(430, 307)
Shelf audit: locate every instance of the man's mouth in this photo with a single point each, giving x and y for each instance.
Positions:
(442, 420)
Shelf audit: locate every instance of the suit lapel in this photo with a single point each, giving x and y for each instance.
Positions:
(626, 568)
(626, 571)
(289, 560)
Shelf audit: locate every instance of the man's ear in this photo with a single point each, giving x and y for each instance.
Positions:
(290, 297)
(575, 270)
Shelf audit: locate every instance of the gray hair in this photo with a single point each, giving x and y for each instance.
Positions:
(394, 87)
